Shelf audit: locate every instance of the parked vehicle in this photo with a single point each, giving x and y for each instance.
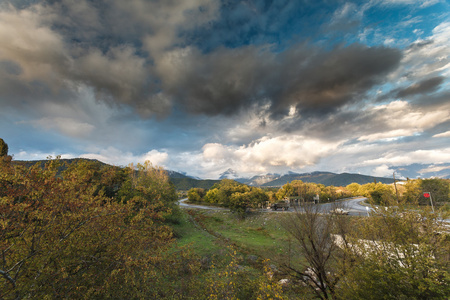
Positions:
(283, 205)
(339, 211)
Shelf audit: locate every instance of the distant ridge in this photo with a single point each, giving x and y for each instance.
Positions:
(181, 181)
(328, 178)
(186, 182)
(65, 162)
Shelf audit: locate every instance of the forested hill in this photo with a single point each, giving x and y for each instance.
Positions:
(184, 182)
(66, 162)
(327, 178)
(181, 181)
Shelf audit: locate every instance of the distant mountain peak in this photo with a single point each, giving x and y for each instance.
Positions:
(229, 174)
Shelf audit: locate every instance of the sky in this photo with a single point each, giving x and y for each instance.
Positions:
(201, 86)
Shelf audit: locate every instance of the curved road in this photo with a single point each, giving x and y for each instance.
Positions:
(183, 203)
(352, 205)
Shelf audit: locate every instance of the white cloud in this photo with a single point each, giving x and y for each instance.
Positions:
(109, 155)
(27, 155)
(155, 157)
(430, 56)
(423, 3)
(434, 168)
(66, 126)
(388, 136)
(32, 44)
(399, 119)
(398, 158)
(117, 157)
(427, 3)
(382, 171)
(267, 154)
(443, 134)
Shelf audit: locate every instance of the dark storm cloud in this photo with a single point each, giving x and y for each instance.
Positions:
(426, 86)
(422, 87)
(325, 81)
(436, 101)
(316, 82)
(134, 54)
(221, 82)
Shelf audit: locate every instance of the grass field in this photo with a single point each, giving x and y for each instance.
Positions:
(251, 244)
(258, 234)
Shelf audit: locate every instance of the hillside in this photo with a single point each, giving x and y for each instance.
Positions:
(185, 182)
(188, 183)
(65, 163)
(327, 178)
(181, 181)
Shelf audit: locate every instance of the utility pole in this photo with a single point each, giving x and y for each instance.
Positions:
(395, 185)
(428, 195)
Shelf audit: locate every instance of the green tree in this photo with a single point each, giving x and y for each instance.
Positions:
(3, 148)
(413, 192)
(212, 196)
(439, 189)
(286, 190)
(398, 256)
(314, 257)
(196, 194)
(379, 193)
(354, 189)
(62, 237)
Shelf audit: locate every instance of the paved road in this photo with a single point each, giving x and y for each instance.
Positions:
(183, 203)
(352, 205)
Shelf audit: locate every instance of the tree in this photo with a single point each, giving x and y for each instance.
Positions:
(321, 264)
(354, 189)
(439, 189)
(378, 193)
(196, 194)
(286, 190)
(398, 255)
(3, 148)
(63, 237)
(212, 196)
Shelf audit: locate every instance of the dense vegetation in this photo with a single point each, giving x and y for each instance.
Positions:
(409, 192)
(240, 197)
(187, 183)
(89, 230)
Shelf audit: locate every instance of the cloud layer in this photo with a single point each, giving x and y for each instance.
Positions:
(204, 85)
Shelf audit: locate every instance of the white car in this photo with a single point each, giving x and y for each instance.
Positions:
(339, 211)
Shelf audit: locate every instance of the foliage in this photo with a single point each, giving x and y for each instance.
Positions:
(233, 281)
(212, 196)
(187, 183)
(398, 256)
(439, 190)
(320, 264)
(196, 194)
(229, 193)
(378, 193)
(63, 237)
(306, 191)
(3, 148)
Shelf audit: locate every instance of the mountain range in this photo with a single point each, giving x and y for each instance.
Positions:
(277, 180)
(325, 178)
(184, 182)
